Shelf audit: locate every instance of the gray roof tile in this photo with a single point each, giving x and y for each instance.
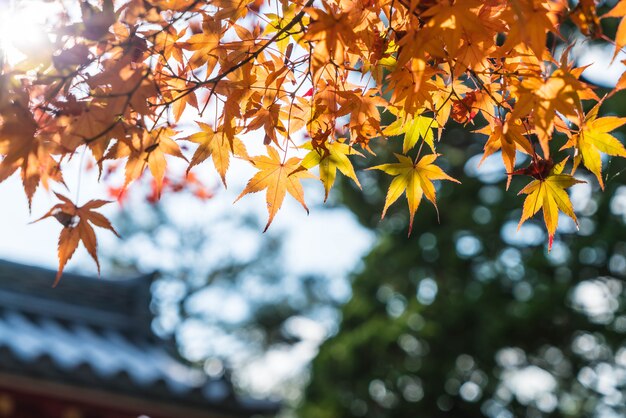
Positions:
(81, 333)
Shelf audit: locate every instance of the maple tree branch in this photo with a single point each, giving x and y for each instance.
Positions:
(248, 59)
(435, 112)
(256, 53)
(246, 72)
(129, 97)
(484, 88)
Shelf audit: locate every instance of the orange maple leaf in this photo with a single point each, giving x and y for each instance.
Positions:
(620, 36)
(23, 148)
(205, 45)
(147, 149)
(216, 144)
(77, 227)
(278, 178)
(509, 137)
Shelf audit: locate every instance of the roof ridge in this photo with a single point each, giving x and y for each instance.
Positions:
(122, 304)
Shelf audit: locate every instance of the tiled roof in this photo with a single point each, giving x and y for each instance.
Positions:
(96, 333)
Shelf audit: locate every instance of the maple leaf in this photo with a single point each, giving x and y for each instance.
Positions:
(216, 144)
(412, 92)
(509, 137)
(97, 22)
(452, 20)
(530, 26)
(24, 148)
(179, 94)
(267, 115)
(231, 9)
(594, 138)
(118, 76)
(330, 33)
(586, 18)
(278, 178)
(441, 98)
(276, 23)
(549, 194)
(545, 99)
(331, 156)
(620, 36)
(363, 111)
(413, 128)
(127, 79)
(415, 179)
(71, 58)
(147, 149)
(165, 42)
(91, 123)
(77, 228)
(204, 45)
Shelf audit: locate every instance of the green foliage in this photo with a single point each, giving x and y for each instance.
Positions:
(444, 323)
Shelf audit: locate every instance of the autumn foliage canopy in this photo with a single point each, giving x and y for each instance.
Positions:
(312, 79)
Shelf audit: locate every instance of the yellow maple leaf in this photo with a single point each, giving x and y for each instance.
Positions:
(594, 138)
(415, 179)
(549, 194)
(413, 128)
(334, 156)
(278, 178)
(277, 23)
(216, 144)
(330, 34)
(452, 20)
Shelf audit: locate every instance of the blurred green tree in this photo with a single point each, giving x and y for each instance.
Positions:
(469, 317)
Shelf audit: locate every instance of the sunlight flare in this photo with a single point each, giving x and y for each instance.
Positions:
(23, 35)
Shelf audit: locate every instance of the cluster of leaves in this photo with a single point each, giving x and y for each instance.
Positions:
(314, 75)
(471, 304)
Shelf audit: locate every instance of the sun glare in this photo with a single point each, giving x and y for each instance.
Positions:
(23, 27)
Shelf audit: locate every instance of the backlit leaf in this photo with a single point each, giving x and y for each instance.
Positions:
(414, 180)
